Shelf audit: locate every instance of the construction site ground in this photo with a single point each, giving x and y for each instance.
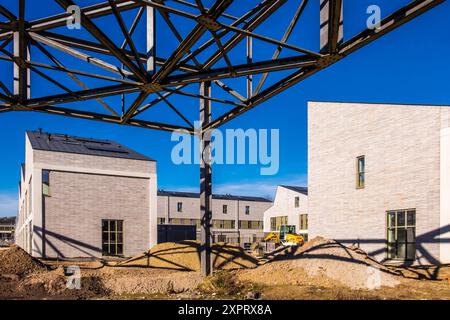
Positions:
(321, 269)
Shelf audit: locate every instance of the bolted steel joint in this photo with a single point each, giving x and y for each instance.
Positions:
(327, 60)
(152, 87)
(208, 22)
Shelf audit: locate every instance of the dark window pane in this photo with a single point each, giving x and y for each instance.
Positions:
(105, 248)
(400, 218)
(411, 235)
(104, 236)
(401, 251)
(120, 237)
(401, 235)
(119, 249)
(411, 218)
(410, 251)
(119, 225)
(113, 237)
(104, 225)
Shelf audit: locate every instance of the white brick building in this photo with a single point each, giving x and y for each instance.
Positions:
(236, 219)
(379, 177)
(290, 208)
(85, 198)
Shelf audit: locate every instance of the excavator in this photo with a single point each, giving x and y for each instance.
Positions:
(286, 237)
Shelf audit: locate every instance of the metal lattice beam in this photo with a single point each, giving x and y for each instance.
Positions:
(204, 50)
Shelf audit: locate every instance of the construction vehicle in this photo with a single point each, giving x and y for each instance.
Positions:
(286, 236)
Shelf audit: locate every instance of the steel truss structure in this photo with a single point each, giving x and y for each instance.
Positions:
(204, 56)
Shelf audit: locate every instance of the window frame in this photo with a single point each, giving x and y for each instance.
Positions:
(179, 206)
(116, 243)
(297, 202)
(405, 226)
(360, 173)
(225, 209)
(247, 210)
(303, 222)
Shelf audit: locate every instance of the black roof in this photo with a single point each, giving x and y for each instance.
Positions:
(303, 190)
(215, 196)
(64, 143)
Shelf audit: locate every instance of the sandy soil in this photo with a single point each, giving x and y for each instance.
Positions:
(285, 277)
(186, 256)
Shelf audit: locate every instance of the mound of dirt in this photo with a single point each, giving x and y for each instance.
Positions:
(186, 256)
(16, 261)
(323, 262)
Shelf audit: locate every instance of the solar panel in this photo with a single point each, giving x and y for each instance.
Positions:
(106, 149)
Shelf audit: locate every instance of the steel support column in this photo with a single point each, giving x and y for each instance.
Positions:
(151, 35)
(21, 53)
(331, 25)
(205, 180)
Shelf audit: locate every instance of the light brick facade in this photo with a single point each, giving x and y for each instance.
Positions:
(285, 206)
(403, 146)
(83, 190)
(236, 211)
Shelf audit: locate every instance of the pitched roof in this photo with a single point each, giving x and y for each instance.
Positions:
(303, 190)
(70, 144)
(215, 196)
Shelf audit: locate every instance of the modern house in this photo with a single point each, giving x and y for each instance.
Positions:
(235, 219)
(7, 225)
(82, 197)
(379, 178)
(290, 208)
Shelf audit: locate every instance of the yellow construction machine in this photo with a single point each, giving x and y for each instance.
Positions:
(286, 237)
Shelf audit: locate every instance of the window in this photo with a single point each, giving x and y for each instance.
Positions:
(250, 224)
(112, 237)
(223, 224)
(247, 209)
(225, 209)
(179, 206)
(360, 176)
(46, 183)
(401, 234)
(161, 220)
(277, 222)
(303, 223)
(297, 202)
(221, 238)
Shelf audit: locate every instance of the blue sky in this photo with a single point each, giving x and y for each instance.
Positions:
(405, 66)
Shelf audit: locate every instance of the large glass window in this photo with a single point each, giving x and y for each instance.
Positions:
(112, 237)
(223, 224)
(360, 176)
(303, 223)
(401, 234)
(277, 222)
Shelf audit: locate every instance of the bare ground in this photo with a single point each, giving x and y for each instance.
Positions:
(284, 277)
